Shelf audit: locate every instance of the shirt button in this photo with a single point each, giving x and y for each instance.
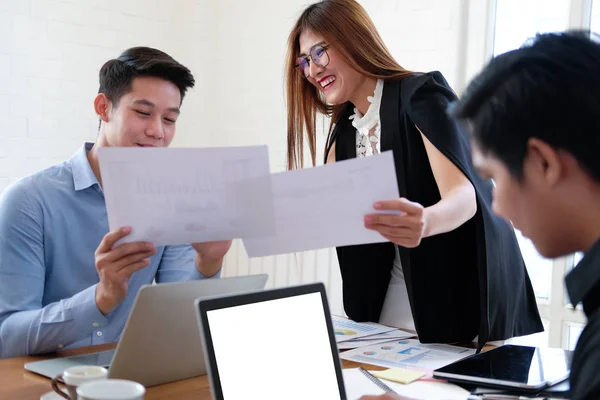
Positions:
(99, 333)
(60, 346)
(95, 324)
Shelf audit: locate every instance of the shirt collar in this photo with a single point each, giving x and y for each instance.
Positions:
(83, 176)
(585, 276)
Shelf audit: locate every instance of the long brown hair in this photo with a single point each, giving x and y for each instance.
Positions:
(346, 25)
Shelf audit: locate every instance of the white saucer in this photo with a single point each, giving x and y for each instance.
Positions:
(52, 396)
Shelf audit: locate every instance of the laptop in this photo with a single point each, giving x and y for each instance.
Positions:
(160, 342)
(511, 367)
(273, 344)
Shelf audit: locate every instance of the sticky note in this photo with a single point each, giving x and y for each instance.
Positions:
(399, 375)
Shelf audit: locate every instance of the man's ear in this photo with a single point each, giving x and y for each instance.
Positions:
(102, 107)
(544, 162)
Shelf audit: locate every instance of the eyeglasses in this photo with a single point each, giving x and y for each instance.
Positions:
(318, 55)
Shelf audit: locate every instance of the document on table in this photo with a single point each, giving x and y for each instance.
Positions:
(325, 206)
(407, 353)
(374, 339)
(345, 329)
(429, 390)
(358, 385)
(186, 195)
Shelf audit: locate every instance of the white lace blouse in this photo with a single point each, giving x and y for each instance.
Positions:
(396, 308)
(368, 126)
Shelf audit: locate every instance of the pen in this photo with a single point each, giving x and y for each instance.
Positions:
(376, 380)
(502, 397)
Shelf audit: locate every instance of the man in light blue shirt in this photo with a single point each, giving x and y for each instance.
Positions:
(62, 284)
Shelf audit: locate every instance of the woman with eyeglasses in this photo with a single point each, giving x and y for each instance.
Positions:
(450, 270)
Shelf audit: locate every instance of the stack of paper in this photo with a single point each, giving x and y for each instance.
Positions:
(374, 339)
(350, 334)
(346, 329)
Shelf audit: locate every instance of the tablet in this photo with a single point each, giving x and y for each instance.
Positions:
(511, 367)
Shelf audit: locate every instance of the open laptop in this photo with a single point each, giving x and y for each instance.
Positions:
(511, 367)
(160, 342)
(273, 344)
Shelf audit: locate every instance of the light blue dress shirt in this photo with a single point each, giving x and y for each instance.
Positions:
(50, 226)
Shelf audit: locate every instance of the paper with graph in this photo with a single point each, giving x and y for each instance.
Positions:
(345, 329)
(374, 339)
(325, 206)
(186, 195)
(407, 353)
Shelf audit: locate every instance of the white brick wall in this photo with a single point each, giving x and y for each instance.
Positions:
(50, 54)
(51, 51)
(423, 35)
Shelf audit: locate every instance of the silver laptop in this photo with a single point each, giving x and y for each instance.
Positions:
(271, 345)
(161, 341)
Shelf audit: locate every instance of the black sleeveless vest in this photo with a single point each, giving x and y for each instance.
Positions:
(467, 282)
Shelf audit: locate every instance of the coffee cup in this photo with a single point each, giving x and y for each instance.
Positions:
(75, 376)
(111, 389)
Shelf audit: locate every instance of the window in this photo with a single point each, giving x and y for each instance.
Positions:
(538, 267)
(516, 21)
(595, 17)
(573, 332)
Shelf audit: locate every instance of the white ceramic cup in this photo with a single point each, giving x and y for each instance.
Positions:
(75, 376)
(111, 389)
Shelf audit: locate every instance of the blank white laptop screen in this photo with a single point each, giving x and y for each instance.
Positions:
(274, 349)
